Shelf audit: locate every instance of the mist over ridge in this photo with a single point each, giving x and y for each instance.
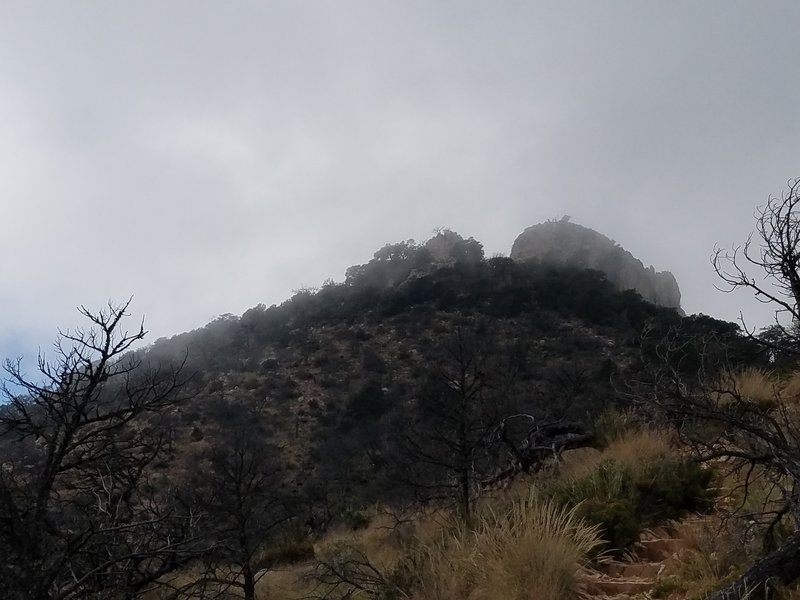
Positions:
(565, 243)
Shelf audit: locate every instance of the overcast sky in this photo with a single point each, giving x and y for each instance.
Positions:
(208, 156)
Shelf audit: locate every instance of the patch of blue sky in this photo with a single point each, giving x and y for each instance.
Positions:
(17, 346)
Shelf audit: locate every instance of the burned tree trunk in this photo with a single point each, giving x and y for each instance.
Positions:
(541, 442)
(780, 567)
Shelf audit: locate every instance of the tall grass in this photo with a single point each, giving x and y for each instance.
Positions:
(757, 385)
(640, 447)
(633, 448)
(378, 561)
(766, 390)
(536, 549)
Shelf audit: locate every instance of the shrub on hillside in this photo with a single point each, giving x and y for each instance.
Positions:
(624, 498)
(669, 488)
(607, 497)
(612, 425)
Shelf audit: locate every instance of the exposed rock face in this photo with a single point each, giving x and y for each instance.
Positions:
(565, 243)
(448, 246)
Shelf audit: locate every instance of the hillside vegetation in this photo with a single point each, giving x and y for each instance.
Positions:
(439, 425)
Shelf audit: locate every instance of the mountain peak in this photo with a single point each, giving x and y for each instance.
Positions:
(565, 243)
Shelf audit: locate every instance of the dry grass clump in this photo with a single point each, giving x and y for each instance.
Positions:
(787, 593)
(765, 390)
(640, 447)
(632, 448)
(791, 388)
(376, 561)
(388, 536)
(757, 386)
(289, 583)
(537, 549)
(371, 541)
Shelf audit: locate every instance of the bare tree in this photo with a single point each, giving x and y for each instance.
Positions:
(237, 485)
(773, 251)
(536, 441)
(82, 513)
(345, 571)
(445, 443)
(757, 438)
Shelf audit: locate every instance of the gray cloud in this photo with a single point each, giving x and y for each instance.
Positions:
(207, 156)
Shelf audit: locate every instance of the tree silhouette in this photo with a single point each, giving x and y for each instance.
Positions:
(82, 513)
(237, 486)
(758, 438)
(451, 421)
(773, 250)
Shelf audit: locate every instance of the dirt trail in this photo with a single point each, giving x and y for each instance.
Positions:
(636, 575)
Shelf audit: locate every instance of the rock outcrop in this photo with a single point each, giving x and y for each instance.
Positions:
(448, 246)
(569, 244)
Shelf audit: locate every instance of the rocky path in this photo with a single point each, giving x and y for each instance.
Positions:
(636, 575)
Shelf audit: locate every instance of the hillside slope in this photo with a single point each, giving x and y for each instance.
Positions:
(337, 375)
(428, 378)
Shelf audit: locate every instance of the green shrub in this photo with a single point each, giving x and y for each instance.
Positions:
(623, 499)
(665, 587)
(618, 520)
(367, 404)
(606, 497)
(671, 487)
(356, 520)
(610, 480)
(611, 425)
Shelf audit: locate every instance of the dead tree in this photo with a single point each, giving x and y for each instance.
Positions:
(758, 441)
(345, 571)
(757, 438)
(773, 251)
(82, 513)
(443, 442)
(541, 441)
(237, 487)
(780, 567)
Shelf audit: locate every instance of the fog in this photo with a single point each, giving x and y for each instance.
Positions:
(206, 157)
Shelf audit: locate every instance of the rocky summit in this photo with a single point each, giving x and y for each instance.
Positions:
(564, 243)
